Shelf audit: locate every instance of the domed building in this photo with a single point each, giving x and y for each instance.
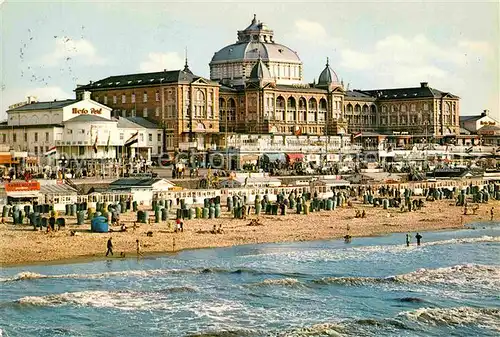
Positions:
(233, 64)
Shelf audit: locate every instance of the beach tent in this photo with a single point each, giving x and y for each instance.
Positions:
(273, 157)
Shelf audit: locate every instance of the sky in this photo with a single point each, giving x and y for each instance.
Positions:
(48, 48)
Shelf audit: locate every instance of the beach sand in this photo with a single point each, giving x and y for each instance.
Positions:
(22, 245)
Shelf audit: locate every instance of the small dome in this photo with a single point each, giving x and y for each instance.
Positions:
(260, 72)
(328, 76)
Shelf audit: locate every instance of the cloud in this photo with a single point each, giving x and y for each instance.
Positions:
(48, 93)
(313, 33)
(399, 60)
(67, 49)
(160, 61)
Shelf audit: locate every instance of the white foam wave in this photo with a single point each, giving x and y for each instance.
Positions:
(470, 275)
(27, 275)
(484, 317)
(280, 282)
(124, 300)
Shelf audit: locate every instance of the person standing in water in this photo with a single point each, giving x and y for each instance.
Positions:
(408, 240)
(110, 247)
(418, 237)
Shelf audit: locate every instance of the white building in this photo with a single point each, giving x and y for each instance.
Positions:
(77, 129)
(476, 122)
(142, 189)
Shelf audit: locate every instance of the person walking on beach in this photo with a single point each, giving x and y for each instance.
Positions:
(491, 213)
(418, 237)
(408, 240)
(110, 248)
(138, 247)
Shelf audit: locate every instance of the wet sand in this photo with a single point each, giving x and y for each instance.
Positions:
(21, 245)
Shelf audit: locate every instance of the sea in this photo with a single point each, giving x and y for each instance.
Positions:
(373, 286)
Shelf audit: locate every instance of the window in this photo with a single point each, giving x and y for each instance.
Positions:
(14, 137)
(157, 96)
(413, 107)
(105, 100)
(25, 136)
(157, 111)
(145, 112)
(35, 149)
(124, 98)
(132, 112)
(36, 136)
(121, 136)
(426, 106)
(114, 99)
(4, 138)
(159, 149)
(132, 98)
(81, 150)
(70, 131)
(145, 97)
(141, 137)
(47, 148)
(159, 137)
(46, 136)
(150, 137)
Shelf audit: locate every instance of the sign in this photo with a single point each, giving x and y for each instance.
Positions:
(92, 111)
(20, 186)
(487, 123)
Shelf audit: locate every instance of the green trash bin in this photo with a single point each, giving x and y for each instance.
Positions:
(217, 210)
(211, 211)
(80, 218)
(134, 206)
(164, 214)
(205, 212)
(199, 213)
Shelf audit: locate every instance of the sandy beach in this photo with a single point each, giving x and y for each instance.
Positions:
(22, 245)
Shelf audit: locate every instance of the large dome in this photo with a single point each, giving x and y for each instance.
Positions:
(252, 50)
(233, 63)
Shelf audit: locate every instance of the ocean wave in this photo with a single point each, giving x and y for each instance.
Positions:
(469, 275)
(289, 282)
(27, 275)
(485, 317)
(415, 320)
(474, 275)
(125, 300)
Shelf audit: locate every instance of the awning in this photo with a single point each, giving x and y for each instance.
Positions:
(23, 194)
(272, 157)
(249, 158)
(294, 157)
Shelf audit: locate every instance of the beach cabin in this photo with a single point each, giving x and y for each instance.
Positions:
(250, 181)
(141, 189)
(57, 193)
(325, 187)
(22, 192)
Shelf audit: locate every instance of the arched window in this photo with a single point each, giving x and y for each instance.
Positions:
(322, 104)
(313, 104)
(357, 108)
(373, 109)
(280, 102)
(291, 103)
(302, 103)
(349, 108)
(365, 108)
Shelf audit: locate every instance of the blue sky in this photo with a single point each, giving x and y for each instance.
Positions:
(50, 47)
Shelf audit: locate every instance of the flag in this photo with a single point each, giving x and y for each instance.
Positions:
(356, 135)
(51, 151)
(133, 139)
(468, 150)
(95, 144)
(107, 144)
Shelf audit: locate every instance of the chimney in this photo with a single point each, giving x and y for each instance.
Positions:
(32, 99)
(86, 95)
(424, 85)
(485, 112)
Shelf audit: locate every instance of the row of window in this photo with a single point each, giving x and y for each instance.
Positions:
(25, 138)
(132, 98)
